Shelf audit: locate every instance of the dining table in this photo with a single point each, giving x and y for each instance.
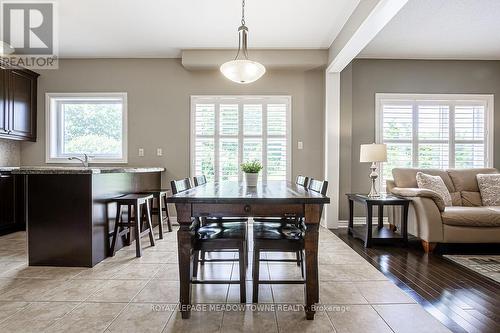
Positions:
(280, 199)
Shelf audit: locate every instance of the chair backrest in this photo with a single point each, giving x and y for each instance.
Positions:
(301, 180)
(319, 186)
(200, 180)
(180, 185)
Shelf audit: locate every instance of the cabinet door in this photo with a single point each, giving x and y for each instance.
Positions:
(7, 201)
(22, 105)
(3, 101)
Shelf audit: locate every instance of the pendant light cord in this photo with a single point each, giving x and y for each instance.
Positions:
(242, 36)
(243, 12)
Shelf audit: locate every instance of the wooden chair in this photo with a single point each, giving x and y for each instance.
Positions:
(302, 181)
(280, 237)
(230, 236)
(219, 221)
(142, 212)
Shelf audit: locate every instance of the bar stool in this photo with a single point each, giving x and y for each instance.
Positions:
(160, 196)
(142, 212)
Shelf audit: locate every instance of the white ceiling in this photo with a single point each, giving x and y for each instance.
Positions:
(162, 28)
(440, 29)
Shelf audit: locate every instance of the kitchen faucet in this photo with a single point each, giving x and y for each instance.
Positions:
(84, 161)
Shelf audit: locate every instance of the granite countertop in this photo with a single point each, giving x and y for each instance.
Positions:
(44, 170)
(7, 168)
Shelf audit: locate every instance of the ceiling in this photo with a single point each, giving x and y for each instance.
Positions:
(440, 29)
(162, 28)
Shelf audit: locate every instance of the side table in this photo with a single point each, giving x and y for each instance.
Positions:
(378, 235)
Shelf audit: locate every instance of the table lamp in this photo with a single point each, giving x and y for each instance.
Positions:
(373, 153)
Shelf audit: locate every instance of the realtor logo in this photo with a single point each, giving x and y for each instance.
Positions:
(28, 34)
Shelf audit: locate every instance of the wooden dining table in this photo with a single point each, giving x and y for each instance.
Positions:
(235, 199)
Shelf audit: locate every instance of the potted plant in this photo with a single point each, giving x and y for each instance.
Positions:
(251, 170)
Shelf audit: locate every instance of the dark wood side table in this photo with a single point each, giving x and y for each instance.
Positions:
(379, 235)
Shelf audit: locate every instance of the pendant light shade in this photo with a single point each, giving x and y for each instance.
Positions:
(241, 69)
(5, 49)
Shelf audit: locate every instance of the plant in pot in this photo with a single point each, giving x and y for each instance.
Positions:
(251, 170)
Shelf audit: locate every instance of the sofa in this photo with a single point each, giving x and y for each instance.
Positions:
(466, 221)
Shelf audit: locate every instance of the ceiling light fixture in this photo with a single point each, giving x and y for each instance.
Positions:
(5, 49)
(241, 69)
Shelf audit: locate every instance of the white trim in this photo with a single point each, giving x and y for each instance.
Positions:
(263, 100)
(452, 100)
(50, 119)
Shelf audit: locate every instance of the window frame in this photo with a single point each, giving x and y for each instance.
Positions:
(52, 130)
(452, 100)
(240, 100)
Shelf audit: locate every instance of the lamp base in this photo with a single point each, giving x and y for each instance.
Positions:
(373, 175)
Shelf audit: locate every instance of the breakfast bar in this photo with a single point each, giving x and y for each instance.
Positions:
(68, 210)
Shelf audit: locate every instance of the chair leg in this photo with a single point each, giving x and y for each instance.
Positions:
(299, 257)
(242, 264)
(115, 233)
(160, 217)
(202, 260)
(255, 275)
(138, 247)
(196, 260)
(130, 221)
(150, 225)
(302, 270)
(169, 224)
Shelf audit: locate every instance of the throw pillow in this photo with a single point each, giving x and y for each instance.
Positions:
(436, 184)
(489, 186)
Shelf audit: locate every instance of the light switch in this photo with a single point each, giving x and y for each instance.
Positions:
(141, 152)
(300, 145)
(159, 152)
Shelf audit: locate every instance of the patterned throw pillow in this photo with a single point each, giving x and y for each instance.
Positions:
(436, 184)
(489, 186)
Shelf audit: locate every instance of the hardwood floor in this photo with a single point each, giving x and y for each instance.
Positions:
(461, 299)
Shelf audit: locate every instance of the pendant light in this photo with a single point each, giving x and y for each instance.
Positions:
(241, 69)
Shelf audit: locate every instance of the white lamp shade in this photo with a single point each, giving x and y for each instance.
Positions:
(242, 70)
(373, 153)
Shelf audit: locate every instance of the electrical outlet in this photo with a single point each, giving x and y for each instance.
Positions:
(300, 145)
(159, 152)
(141, 152)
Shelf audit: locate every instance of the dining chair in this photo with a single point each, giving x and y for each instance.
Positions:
(231, 236)
(303, 182)
(280, 237)
(201, 258)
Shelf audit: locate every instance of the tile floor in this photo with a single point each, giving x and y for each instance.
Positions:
(128, 294)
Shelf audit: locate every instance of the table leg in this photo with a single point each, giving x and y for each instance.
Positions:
(369, 213)
(351, 217)
(404, 222)
(312, 217)
(380, 216)
(185, 251)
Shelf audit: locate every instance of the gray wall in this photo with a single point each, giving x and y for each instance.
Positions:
(10, 152)
(363, 78)
(158, 107)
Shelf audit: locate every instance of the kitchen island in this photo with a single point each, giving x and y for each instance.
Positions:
(69, 216)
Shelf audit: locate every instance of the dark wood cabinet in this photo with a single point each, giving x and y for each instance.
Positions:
(18, 91)
(11, 203)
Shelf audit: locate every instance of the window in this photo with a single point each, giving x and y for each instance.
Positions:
(227, 130)
(435, 131)
(87, 123)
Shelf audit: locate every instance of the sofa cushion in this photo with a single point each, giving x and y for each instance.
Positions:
(472, 216)
(470, 199)
(465, 179)
(407, 177)
(436, 184)
(489, 186)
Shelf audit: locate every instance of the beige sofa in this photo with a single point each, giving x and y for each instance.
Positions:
(467, 221)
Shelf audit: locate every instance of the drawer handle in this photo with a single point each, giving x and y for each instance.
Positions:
(247, 208)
